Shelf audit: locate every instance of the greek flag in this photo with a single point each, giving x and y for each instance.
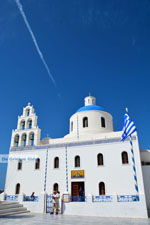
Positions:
(128, 128)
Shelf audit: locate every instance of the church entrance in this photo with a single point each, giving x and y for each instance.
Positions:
(77, 191)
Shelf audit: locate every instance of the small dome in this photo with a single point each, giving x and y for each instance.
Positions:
(90, 120)
(90, 107)
(90, 104)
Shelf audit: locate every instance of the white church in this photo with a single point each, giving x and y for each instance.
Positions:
(93, 170)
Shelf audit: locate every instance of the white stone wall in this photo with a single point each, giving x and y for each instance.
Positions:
(94, 123)
(86, 142)
(145, 159)
(30, 180)
(56, 175)
(146, 176)
(118, 178)
(110, 209)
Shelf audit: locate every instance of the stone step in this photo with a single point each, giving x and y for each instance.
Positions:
(7, 206)
(2, 211)
(11, 208)
(7, 202)
(14, 213)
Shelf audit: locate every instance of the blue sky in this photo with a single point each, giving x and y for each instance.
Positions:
(101, 47)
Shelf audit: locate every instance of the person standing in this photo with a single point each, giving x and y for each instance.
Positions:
(81, 194)
(56, 197)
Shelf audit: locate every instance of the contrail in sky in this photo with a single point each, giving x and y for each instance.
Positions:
(20, 7)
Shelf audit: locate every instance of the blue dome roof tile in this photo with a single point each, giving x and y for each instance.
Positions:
(90, 107)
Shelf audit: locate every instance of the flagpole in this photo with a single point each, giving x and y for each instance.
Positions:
(133, 166)
(133, 161)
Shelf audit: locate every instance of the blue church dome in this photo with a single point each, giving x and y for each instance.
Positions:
(90, 107)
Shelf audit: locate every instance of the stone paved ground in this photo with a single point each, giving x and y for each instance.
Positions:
(36, 219)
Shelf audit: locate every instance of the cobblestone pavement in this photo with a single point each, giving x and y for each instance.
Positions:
(35, 219)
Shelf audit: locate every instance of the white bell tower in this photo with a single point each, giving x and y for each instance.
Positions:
(27, 132)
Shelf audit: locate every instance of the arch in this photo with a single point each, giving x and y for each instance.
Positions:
(16, 140)
(85, 122)
(19, 164)
(23, 140)
(17, 191)
(31, 139)
(37, 164)
(27, 112)
(100, 159)
(55, 187)
(71, 125)
(77, 161)
(101, 188)
(124, 156)
(103, 122)
(22, 125)
(29, 124)
(56, 162)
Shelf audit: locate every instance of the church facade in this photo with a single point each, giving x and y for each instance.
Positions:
(90, 166)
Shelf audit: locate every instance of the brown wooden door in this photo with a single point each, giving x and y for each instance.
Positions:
(75, 189)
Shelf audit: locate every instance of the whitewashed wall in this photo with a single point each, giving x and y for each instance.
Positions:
(146, 176)
(118, 178)
(110, 209)
(94, 123)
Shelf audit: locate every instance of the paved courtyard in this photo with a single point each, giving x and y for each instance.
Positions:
(68, 220)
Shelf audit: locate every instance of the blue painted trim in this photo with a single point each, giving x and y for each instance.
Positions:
(102, 198)
(89, 108)
(66, 169)
(49, 203)
(45, 178)
(11, 198)
(30, 199)
(128, 198)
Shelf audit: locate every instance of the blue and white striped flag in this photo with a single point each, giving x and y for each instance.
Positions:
(128, 128)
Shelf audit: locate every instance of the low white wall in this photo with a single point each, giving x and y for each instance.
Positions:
(133, 209)
(35, 207)
(146, 178)
(107, 209)
(2, 196)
